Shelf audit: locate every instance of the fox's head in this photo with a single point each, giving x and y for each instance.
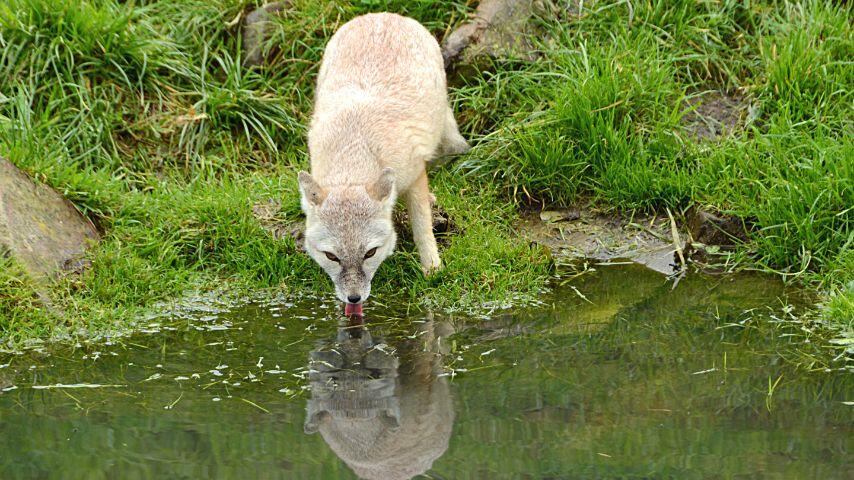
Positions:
(349, 231)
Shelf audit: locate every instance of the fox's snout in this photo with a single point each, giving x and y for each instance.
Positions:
(353, 285)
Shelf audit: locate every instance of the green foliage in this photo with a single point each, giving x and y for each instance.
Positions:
(600, 116)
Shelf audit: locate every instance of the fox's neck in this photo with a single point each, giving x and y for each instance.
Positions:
(353, 165)
(345, 154)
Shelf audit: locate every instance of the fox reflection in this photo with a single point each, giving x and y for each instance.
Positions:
(386, 413)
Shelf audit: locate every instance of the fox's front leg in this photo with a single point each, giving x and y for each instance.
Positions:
(418, 199)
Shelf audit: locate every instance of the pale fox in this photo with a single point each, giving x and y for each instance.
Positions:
(381, 113)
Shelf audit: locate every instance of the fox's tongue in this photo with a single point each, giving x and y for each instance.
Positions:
(353, 309)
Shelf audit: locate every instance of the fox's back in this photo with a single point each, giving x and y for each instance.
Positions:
(381, 101)
(383, 55)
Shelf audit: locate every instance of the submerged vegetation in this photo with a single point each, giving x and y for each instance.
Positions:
(143, 116)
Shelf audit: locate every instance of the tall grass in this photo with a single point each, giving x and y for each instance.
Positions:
(609, 99)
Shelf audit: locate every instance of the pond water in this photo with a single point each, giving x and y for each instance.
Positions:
(616, 375)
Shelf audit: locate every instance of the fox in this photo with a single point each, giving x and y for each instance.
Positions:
(381, 113)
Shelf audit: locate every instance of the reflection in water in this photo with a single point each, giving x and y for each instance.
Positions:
(386, 412)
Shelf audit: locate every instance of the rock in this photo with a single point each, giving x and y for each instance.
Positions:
(716, 229)
(39, 228)
(551, 216)
(580, 233)
(256, 29)
(499, 29)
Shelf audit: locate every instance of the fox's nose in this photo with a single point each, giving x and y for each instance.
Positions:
(353, 298)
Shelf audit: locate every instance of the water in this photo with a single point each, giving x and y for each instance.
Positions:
(636, 381)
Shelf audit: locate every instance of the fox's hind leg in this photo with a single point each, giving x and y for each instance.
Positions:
(420, 215)
(452, 142)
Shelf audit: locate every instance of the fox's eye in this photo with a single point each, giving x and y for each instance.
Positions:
(370, 253)
(331, 256)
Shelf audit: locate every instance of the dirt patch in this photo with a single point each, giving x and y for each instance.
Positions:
(443, 226)
(581, 233)
(719, 229)
(712, 115)
(272, 219)
(572, 234)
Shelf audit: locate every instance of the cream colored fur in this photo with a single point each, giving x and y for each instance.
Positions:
(381, 113)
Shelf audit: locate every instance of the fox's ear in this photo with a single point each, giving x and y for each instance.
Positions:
(313, 194)
(383, 189)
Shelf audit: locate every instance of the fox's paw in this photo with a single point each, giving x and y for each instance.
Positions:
(432, 267)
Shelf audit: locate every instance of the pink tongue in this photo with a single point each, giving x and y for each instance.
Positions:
(353, 309)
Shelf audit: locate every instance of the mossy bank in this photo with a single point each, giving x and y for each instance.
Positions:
(144, 117)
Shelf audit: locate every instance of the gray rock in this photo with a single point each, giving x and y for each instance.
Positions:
(580, 233)
(551, 216)
(39, 228)
(256, 29)
(499, 29)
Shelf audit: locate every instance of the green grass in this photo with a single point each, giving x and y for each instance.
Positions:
(599, 118)
(141, 114)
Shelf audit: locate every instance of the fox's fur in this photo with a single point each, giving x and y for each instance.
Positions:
(381, 113)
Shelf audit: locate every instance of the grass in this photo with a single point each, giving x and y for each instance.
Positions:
(142, 115)
(600, 117)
